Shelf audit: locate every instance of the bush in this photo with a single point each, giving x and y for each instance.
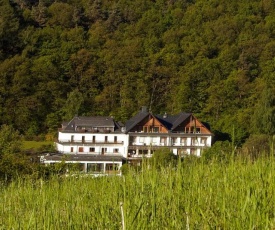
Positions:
(220, 150)
(163, 158)
(257, 145)
(14, 165)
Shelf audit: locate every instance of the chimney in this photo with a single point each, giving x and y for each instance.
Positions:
(144, 109)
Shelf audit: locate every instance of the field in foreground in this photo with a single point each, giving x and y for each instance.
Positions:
(197, 195)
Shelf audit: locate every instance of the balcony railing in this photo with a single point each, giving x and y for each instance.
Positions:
(161, 145)
(89, 142)
(93, 153)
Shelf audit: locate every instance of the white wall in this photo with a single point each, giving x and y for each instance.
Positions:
(65, 145)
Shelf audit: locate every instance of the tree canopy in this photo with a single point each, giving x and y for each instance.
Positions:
(212, 58)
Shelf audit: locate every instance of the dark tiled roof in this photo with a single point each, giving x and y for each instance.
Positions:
(82, 157)
(135, 120)
(181, 118)
(173, 121)
(96, 121)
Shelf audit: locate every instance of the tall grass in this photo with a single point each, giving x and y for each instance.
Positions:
(238, 194)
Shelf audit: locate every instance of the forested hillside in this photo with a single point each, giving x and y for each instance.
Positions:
(102, 57)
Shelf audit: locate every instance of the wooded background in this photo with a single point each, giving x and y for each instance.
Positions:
(89, 57)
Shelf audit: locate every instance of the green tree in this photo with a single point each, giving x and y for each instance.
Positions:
(73, 104)
(10, 140)
(264, 116)
(61, 14)
(9, 25)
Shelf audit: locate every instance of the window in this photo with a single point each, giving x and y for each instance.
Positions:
(103, 150)
(174, 140)
(106, 138)
(92, 150)
(183, 141)
(194, 129)
(193, 152)
(93, 138)
(155, 140)
(91, 167)
(115, 139)
(203, 140)
(163, 140)
(182, 152)
(145, 130)
(83, 138)
(115, 150)
(80, 149)
(194, 141)
(72, 138)
(133, 140)
(111, 168)
(155, 129)
(141, 139)
(72, 149)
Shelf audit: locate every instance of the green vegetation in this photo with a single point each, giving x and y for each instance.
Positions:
(237, 194)
(212, 58)
(36, 145)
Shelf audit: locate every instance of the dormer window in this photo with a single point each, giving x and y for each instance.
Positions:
(155, 129)
(192, 129)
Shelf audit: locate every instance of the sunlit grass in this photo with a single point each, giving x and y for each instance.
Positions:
(26, 145)
(235, 195)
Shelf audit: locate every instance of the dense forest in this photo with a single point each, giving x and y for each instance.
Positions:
(100, 57)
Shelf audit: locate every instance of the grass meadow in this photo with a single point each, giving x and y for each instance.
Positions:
(36, 145)
(236, 194)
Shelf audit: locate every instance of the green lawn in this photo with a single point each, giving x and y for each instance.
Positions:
(35, 144)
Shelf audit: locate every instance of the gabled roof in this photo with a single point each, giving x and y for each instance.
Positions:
(135, 120)
(173, 121)
(95, 121)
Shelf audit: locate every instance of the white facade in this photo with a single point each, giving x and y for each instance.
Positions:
(93, 143)
(102, 145)
(179, 145)
(93, 166)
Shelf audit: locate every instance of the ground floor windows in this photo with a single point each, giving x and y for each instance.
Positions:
(93, 167)
(108, 168)
(193, 152)
(111, 168)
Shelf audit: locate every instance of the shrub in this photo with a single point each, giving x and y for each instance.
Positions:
(163, 158)
(14, 165)
(257, 145)
(220, 150)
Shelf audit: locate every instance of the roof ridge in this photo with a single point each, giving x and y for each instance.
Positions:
(180, 115)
